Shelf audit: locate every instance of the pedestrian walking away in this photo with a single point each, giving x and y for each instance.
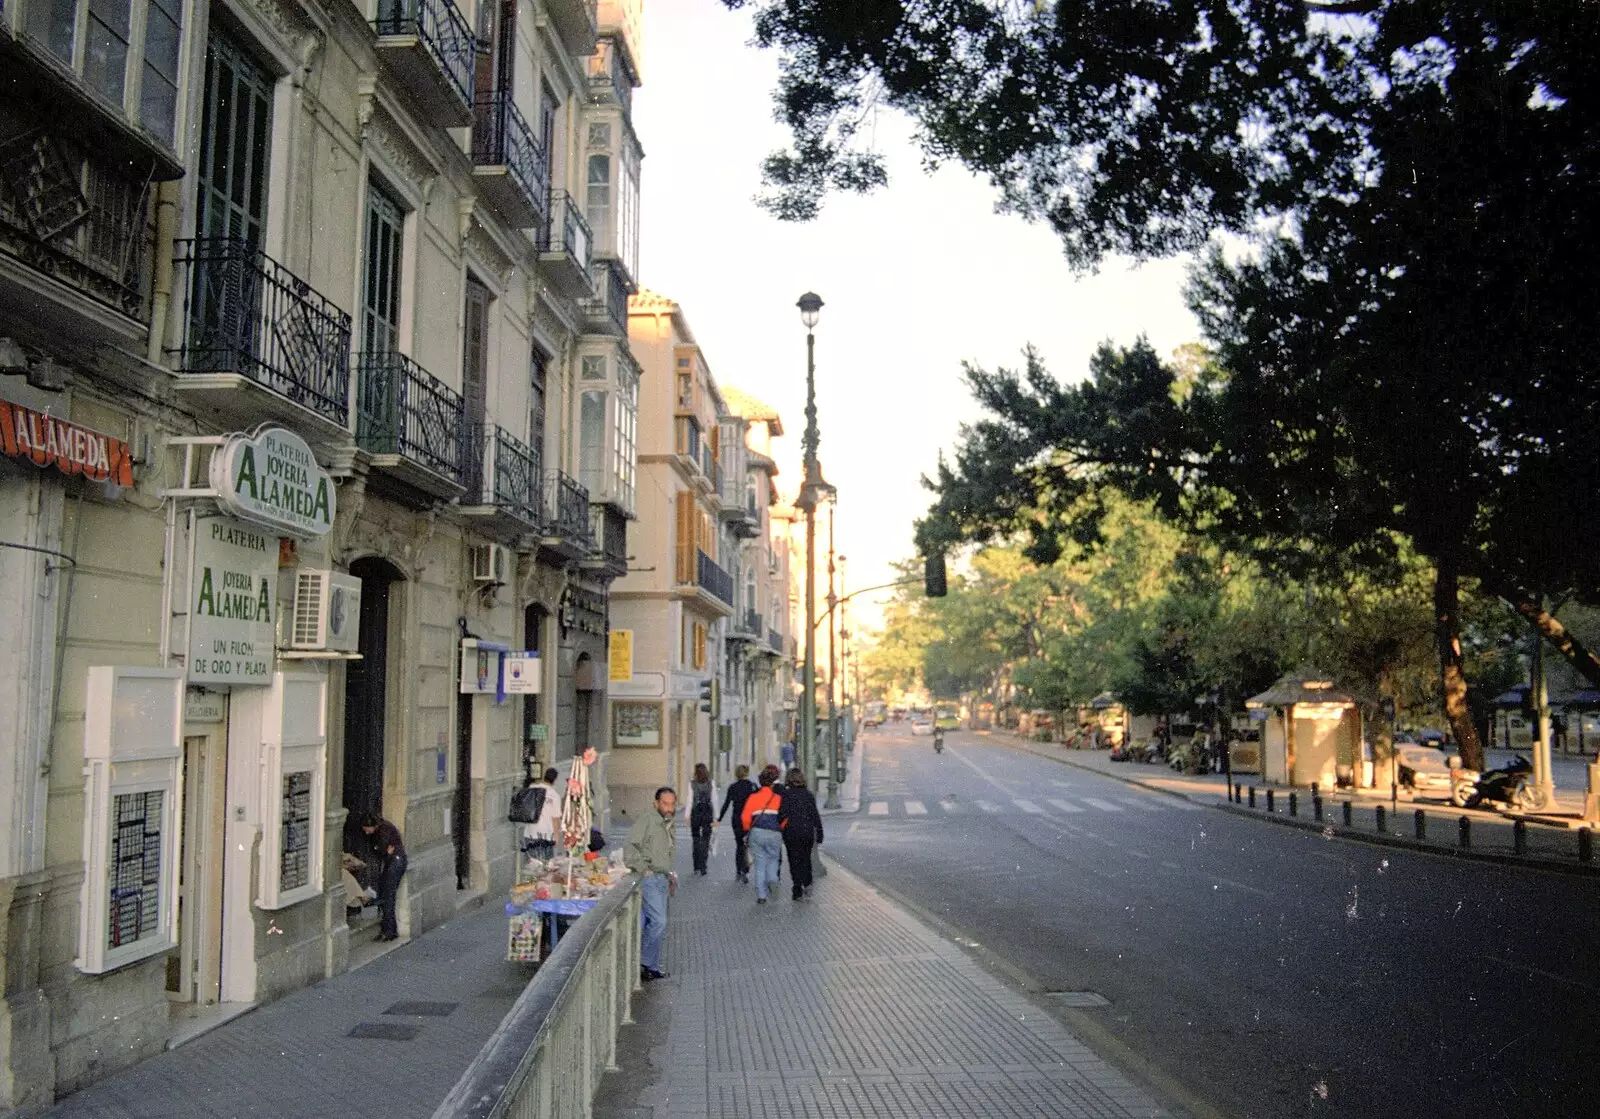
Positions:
(760, 819)
(734, 798)
(702, 816)
(652, 848)
(390, 851)
(539, 836)
(787, 753)
(801, 825)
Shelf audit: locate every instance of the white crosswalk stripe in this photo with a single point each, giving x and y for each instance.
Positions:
(950, 806)
(988, 806)
(916, 808)
(878, 808)
(1061, 783)
(1027, 806)
(1065, 806)
(1102, 805)
(1147, 805)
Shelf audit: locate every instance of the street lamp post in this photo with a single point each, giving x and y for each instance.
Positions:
(834, 760)
(812, 486)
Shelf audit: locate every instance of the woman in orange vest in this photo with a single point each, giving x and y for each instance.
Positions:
(760, 820)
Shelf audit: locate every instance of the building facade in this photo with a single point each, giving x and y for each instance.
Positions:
(319, 416)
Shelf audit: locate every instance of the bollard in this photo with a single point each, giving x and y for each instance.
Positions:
(1270, 798)
(1422, 824)
(1316, 809)
(1294, 804)
(1382, 817)
(1349, 813)
(1464, 833)
(1252, 796)
(1238, 793)
(1519, 837)
(1585, 845)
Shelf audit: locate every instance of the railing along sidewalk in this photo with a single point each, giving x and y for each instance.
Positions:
(548, 1054)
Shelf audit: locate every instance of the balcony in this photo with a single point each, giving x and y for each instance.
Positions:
(259, 343)
(507, 161)
(74, 241)
(565, 244)
(713, 579)
(710, 469)
(410, 423)
(775, 642)
(609, 528)
(567, 531)
(577, 24)
(429, 49)
(502, 479)
(686, 440)
(748, 626)
(611, 80)
(606, 312)
(700, 578)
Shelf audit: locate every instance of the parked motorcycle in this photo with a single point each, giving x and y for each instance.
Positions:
(1507, 786)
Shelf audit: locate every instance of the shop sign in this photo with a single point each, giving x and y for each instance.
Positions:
(273, 479)
(231, 610)
(636, 724)
(204, 707)
(46, 441)
(621, 656)
(522, 673)
(483, 668)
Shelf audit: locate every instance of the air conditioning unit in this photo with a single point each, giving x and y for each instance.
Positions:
(327, 612)
(489, 564)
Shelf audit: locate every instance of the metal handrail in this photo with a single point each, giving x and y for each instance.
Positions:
(500, 470)
(248, 314)
(501, 138)
(402, 410)
(567, 509)
(565, 230)
(712, 577)
(442, 28)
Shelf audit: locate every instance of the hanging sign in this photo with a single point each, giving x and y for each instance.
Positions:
(273, 479)
(483, 668)
(46, 441)
(231, 610)
(621, 656)
(522, 673)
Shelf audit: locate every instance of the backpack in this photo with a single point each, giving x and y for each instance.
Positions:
(527, 805)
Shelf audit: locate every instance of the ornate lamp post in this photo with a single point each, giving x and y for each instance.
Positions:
(812, 490)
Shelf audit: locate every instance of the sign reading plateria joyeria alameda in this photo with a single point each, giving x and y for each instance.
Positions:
(273, 479)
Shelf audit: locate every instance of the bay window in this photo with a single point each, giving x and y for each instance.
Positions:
(126, 52)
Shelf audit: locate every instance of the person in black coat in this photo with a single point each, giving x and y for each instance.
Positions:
(734, 798)
(801, 825)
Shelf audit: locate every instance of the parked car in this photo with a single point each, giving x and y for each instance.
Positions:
(1424, 770)
(921, 724)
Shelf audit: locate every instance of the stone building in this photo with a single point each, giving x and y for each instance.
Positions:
(319, 417)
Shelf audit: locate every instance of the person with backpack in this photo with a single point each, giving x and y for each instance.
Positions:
(734, 798)
(538, 806)
(801, 826)
(760, 820)
(701, 821)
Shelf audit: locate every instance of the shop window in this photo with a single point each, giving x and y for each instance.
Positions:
(294, 744)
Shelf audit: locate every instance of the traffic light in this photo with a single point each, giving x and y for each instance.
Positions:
(933, 576)
(708, 696)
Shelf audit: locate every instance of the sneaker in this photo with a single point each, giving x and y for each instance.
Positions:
(761, 901)
(647, 974)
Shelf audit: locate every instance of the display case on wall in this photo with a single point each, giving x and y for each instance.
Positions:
(294, 769)
(133, 792)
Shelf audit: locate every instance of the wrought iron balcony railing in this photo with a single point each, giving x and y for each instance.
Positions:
(610, 529)
(775, 641)
(442, 29)
(754, 623)
(502, 471)
(610, 301)
(710, 467)
(713, 578)
(567, 510)
(565, 230)
(501, 138)
(66, 213)
(402, 410)
(247, 314)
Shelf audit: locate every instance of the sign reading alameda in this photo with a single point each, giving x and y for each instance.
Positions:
(273, 479)
(231, 630)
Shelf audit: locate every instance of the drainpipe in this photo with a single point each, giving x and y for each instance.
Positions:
(161, 279)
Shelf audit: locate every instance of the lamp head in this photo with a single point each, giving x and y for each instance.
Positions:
(810, 304)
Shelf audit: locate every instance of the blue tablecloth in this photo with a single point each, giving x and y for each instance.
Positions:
(563, 907)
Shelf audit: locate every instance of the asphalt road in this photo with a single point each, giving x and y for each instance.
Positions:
(1268, 972)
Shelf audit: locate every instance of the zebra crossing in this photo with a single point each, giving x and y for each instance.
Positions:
(906, 806)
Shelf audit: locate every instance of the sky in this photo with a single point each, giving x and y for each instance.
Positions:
(916, 279)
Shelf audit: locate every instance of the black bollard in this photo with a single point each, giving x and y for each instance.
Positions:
(1585, 845)
(1294, 804)
(1252, 796)
(1316, 809)
(1464, 833)
(1382, 817)
(1238, 793)
(1349, 813)
(1270, 798)
(1519, 837)
(1422, 824)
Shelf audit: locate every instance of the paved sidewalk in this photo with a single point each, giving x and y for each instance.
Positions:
(842, 1005)
(296, 1057)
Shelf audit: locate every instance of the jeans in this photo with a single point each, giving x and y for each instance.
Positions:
(741, 851)
(768, 848)
(388, 893)
(653, 895)
(700, 831)
(799, 848)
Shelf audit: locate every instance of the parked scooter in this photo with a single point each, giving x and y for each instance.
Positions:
(1504, 787)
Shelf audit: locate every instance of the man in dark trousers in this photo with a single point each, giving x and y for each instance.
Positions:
(391, 853)
(737, 794)
(801, 825)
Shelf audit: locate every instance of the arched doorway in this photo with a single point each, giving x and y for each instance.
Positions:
(366, 694)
